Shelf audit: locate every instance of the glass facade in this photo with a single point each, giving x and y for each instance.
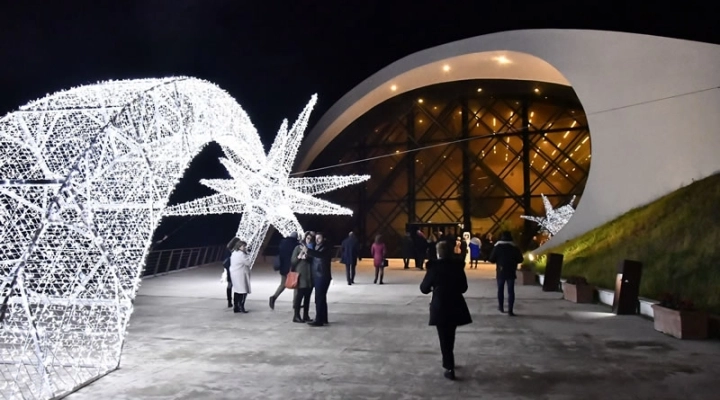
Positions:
(474, 153)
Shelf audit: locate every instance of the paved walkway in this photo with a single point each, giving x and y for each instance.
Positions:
(184, 344)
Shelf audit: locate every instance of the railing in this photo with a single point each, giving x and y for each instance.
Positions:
(159, 262)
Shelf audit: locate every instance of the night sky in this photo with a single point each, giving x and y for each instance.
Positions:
(273, 55)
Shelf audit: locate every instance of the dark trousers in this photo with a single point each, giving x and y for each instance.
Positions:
(350, 271)
(281, 288)
(501, 292)
(419, 262)
(406, 262)
(321, 307)
(446, 334)
(302, 298)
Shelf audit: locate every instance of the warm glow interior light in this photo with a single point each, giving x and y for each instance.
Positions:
(502, 60)
(420, 101)
(393, 88)
(532, 114)
(479, 90)
(446, 68)
(537, 90)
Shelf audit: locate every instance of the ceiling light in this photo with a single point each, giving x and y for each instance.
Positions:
(502, 60)
(479, 90)
(446, 68)
(420, 100)
(393, 88)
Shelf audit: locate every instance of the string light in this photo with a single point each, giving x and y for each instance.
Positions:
(554, 220)
(85, 176)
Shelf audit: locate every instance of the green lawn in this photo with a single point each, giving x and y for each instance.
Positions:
(677, 238)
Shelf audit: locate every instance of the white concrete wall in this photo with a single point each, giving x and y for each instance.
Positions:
(652, 103)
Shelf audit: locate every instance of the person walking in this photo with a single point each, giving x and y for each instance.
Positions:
(506, 256)
(350, 251)
(378, 253)
(475, 247)
(287, 245)
(240, 268)
(302, 264)
(408, 250)
(445, 278)
(322, 276)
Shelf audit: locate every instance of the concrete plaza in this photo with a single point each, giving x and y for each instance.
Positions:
(185, 344)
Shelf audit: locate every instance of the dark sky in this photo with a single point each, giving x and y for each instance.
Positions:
(271, 55)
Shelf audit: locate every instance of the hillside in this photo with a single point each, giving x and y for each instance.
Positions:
(677, 238)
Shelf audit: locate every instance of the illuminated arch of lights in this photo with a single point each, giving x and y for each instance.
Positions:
(85, 176)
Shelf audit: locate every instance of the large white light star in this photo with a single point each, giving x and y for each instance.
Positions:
(554, 220)
(263, 191)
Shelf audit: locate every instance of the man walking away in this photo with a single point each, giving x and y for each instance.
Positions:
(350, 250)
(506, 255)
(287, 245)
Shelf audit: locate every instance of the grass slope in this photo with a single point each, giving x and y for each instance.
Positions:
(677, 238)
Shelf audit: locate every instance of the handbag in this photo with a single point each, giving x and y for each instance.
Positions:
(291, 281)
(385, 262)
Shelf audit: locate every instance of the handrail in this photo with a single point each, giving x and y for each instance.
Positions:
(161, 262)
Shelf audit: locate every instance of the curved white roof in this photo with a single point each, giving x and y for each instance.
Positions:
(651, 104)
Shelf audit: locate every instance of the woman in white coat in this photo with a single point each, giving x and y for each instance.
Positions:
(240, 268)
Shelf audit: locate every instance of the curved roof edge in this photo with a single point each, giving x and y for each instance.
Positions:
(651, 104)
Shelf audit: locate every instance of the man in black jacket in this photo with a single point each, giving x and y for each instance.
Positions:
(287, 245)
(445, 278)
(322, 275)
(506, 255)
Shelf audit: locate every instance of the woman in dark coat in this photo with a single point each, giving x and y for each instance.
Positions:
(445, 278)
(302, 264)
(506, 255)
(226, 264)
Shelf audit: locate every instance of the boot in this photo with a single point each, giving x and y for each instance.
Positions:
(236, 302)
(306, 313)
(296, 316)
(242, 303)
(228, 292)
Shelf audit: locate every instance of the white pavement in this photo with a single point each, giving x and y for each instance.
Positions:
(185, 344)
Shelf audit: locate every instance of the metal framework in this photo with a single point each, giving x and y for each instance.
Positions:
(85, 177)
(507, 143)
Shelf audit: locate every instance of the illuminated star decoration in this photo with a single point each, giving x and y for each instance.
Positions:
(554, 220)
(262, 190)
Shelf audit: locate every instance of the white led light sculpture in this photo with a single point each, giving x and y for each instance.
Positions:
(554, 219)
(85, 176)
(263, 191)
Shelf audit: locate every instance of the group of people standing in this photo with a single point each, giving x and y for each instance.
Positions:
(310, 258)
(418, 247)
